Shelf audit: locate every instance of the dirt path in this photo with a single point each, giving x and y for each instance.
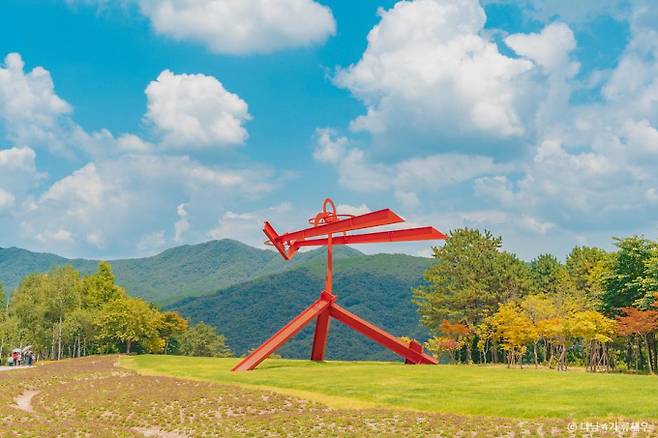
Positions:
(24, 401)
(158, 433)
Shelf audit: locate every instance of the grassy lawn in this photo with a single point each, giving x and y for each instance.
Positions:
(490, 391)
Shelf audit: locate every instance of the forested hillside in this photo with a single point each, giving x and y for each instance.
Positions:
(376, 287)
(188, 270)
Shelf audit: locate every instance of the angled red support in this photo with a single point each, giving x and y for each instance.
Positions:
(380, 336)
(327, 223)
(279, 338)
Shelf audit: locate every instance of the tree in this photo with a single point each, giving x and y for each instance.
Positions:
(470, 278)
(100, 287)
(547, 273)
(642, 323)
(625, 286)
(581, 262)
(539, 308)
(596, 331)
(203, 340)
(649, 281)
(171, 326)
(3, 298)
(130, 321)
(443, 344)
(64, 288)
(515, 329)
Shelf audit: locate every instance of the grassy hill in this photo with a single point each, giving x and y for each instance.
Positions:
(376, 287)
(188, 270)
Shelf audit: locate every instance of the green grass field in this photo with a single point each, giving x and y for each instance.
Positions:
(470, 390)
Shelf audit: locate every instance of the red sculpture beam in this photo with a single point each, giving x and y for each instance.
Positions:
(408, 235)
(327, 223)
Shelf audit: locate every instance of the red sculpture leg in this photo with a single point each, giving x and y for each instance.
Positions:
(279, 338)
(414, 345)
(320, 337)
(380, 336)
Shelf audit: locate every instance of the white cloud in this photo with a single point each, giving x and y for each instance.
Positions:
(428, 68)
(652, 195)
(241, 26)
(151, 243)
(132, 143)
(594, 166)
(196, 111)
(549, 48)
(56, 236)
(406, 177)
(6, 199)
(18, 173)
(121, 200)
(352, 209)
(329, 147)
(33, 115)
(30, 110)
(183, 224)
(247, 226)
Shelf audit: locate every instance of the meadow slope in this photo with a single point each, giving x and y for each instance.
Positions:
(448, 389)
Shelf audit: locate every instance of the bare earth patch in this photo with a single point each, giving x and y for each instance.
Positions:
(24, 401)
(158, 433)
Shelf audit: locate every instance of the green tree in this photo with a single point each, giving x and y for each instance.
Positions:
(171, 326)
(130, 321)
(203, 340)
(63, 295)
(470, 278)
(100, 287)
(547, 273)
(626, 283)
(650, 281)
(581, 262)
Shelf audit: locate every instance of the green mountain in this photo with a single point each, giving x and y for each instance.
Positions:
(183, 271)
(376, 287)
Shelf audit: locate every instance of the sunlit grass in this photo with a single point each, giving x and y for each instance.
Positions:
(471, 390)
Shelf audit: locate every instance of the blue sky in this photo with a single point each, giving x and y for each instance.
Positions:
(128, 127)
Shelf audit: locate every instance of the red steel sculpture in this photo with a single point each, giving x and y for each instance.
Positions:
(327, 223)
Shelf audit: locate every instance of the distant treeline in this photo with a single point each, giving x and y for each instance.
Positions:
(64, 314)
(598, 309)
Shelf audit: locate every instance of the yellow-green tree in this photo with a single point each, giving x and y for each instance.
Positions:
(515, 330)
(130, 321)
(539, 308)
(595, 331)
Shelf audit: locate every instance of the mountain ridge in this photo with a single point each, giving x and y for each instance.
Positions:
(186, 270)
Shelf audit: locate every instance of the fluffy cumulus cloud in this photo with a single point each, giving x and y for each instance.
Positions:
(132, 196)
(196, 111)
(30, 110)
(404, 178)
(183, 223)
(241, 26)
(594, 167)
(431, 74)
(18, 175)
(111, 204)
(428, 68)
(34, 116)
